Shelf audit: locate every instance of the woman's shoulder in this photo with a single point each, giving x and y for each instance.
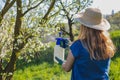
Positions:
(78, 42)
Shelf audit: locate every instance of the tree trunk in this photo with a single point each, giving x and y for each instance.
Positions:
(11, 66)
(70, 30)
(1, 17)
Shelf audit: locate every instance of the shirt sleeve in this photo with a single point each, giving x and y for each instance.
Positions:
(75, 48)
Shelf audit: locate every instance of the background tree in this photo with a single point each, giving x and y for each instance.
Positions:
(19, 41)
(115, 21)
(68, 9)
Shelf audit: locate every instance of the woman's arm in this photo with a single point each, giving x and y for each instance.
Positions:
(67, 66)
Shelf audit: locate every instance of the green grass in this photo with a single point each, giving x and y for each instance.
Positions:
(45, 69)
(115, 61)
(41, 69)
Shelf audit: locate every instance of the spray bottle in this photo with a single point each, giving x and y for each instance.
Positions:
(58, 49)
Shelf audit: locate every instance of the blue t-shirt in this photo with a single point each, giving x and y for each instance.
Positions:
(86, 69)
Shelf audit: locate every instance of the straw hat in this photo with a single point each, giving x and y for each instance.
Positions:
(92, 18)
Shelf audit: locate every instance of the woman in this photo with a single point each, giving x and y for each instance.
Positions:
(89, 56)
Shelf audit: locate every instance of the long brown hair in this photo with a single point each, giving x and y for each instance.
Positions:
(98, 43)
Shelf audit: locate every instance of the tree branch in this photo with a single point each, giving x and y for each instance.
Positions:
(54, 14)
(64, 9)
(83, 7)
(65, 31)
(32, 8)
(7, 2)
(50, 8)
(7, 7)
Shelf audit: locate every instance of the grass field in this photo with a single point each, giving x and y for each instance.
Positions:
(45, 69)
(115, 61)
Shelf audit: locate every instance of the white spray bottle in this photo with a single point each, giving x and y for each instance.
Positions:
(58, 50)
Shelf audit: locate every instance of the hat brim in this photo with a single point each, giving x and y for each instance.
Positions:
(104, 25)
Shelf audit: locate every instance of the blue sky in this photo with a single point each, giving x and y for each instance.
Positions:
(106, 6)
